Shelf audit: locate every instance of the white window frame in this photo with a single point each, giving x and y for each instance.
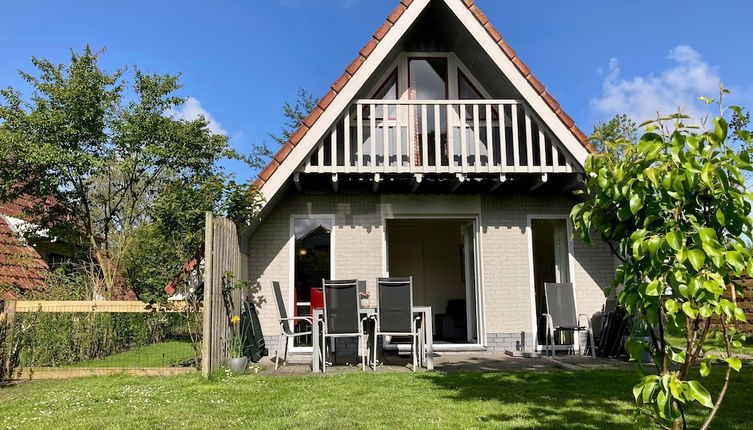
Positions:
(291, 265)
(532, 281)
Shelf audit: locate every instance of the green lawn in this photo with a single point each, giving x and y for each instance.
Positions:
(163, 354)
(717, 344)
(545, 400)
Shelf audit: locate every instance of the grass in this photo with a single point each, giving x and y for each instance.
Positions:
(717, 344)
(163, 354)
(541, 400)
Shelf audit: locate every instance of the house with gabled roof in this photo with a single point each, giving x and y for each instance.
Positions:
(437, 154)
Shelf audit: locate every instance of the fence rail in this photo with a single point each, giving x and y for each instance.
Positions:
(23, 306)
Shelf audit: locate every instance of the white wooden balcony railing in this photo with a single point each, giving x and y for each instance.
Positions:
(438, 136)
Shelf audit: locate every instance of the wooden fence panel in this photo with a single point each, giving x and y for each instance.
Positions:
(222, 257)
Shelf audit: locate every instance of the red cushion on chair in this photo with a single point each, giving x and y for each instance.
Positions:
(317, 299)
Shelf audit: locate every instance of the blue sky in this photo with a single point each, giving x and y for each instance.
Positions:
(241, 60)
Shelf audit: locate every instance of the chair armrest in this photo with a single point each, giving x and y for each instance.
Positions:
(309, 319)
(588, 320)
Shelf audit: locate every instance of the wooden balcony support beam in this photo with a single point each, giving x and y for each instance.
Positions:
(297, 182)
(498, 182)
(542, 180)
(416, 182)
(459, 179)
(377, 180)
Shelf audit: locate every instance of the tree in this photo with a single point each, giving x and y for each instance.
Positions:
(97, 152)
(674, 209)
(612, 137)
(294, 113)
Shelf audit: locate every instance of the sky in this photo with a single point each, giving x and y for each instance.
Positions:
(241, 60)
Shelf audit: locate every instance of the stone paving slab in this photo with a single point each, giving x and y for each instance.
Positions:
(478, 362)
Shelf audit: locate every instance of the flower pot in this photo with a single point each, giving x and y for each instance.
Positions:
(237, 364)
(364, 302)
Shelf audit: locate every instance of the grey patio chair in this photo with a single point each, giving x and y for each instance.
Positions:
(395, 313)
(342, 317)
(560, 305)
(286, 328)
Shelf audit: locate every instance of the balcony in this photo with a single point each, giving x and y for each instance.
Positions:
(438, 136)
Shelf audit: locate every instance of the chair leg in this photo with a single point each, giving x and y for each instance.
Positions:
(324, 351)
(277, 355)
(374, 363)
(414, 350)
(285, 357)
(363, 342)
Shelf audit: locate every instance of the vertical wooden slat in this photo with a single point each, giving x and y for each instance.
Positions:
(515, 137)
(320, 156)
(477, 139)
(333, 149)
(398, 140)
(359, 137)
(437, 139)
(502, 138)
(489, 139)
(463, 138)
(412, 137)
(372, 137)
(450, 137)
(529, 142)
(542, 154)
(385, 139)
(425, 138)
(346, 140)
(206, 347)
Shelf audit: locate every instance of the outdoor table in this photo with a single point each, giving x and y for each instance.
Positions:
(425, 311)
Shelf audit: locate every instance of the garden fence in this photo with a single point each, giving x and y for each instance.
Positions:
(54, 339)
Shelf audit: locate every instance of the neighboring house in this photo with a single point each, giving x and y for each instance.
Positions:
(437, 155)
(22, 265)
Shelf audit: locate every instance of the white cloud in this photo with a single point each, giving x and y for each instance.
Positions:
(678, 86)
(191, 109)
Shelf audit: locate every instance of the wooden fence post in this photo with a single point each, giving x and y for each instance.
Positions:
(206, 348)
(10, 319)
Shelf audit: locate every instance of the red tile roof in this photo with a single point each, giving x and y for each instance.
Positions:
(21, 267)
(392, 18)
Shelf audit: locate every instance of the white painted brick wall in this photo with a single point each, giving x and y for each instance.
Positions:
(358, 254)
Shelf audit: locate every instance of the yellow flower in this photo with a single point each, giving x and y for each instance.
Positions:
(235, 320)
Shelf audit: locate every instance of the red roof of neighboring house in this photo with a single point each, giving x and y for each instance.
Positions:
(21, 267)
(17, 208)
(172, 287)
(381, 32)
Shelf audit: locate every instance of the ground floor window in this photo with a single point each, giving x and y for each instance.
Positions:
(312, 263)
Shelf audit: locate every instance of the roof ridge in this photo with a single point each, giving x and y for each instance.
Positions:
(364, 53)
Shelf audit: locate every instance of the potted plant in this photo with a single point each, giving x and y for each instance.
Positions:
(236, 361)
(364, 297)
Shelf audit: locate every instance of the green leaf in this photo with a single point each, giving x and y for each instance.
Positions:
(676, 388)
(689, 310)
(671, 306)
(654, 288)
(707, 235)
(696, 391)
(653, 244)
(697, 258)
(705, 367)
(636, 203)
(675, 240)
(734, 363)
(735, 261)
(720, 129)
(740, 314)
